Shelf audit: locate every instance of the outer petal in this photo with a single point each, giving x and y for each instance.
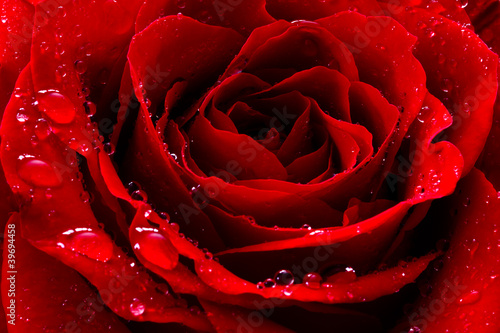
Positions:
(241, 15)
(462, 73)
(45, 175)
(15, 42)
(50, 295)
(312, 10)
(466, 288)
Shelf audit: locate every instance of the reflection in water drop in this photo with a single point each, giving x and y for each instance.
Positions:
(137, 308)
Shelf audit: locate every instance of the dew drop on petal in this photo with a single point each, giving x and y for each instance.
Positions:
(95, 245)
(471, 297)
(284, 277)
(312, 280)
(137, 308)
(38, 173)
(269, 283)
(139, 195)
(57, 107)
(42, 129)
(158, 250)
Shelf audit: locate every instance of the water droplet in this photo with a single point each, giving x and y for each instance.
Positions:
(42, 129)
(306, 226)
(57, 107)
(157, 249)
(133, 186)
(38, 173)
(340, 274)
(86, 197)
(93, 244)
(446, 85)
(269, 283)
(139, 195)
(470, 298)
(21, 116)
(90, 108)
(80, 66)
(312, 280)
(164, 216)
(137, 308)
(181, 4)
(284, 277)
(109, 148)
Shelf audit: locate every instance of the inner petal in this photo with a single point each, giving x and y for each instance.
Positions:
(239, 153)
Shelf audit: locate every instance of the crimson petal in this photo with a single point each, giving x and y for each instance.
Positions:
(443, 48)
(51, 296)
(242, 15)
(466, 288)
(312, 10)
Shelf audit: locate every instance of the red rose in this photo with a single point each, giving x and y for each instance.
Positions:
(249, 166)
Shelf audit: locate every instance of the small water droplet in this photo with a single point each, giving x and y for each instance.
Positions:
(80, 66)
(109, 148)
(313, 280)
(470, 298)
(139, 195)
(21, 116)
(90, 108)
(86, 197)
(42, 129)
(137, 308)
(269, 283)
(284, 277)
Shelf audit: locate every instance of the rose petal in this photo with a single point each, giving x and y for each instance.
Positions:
(81, 50)
(221, 148)
(452, 9)
(242, 15)
(327, 87)
(185, 54)
(51, 295)
(466, 289)
(15, 44)
(303, 46)
(311, 10)
(443, 48)
(228, 318)
(371, 110)
(75, 240)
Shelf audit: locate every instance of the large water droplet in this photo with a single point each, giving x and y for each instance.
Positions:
(57, 107)
(95, 245)
(158, 250)
(38, 173)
